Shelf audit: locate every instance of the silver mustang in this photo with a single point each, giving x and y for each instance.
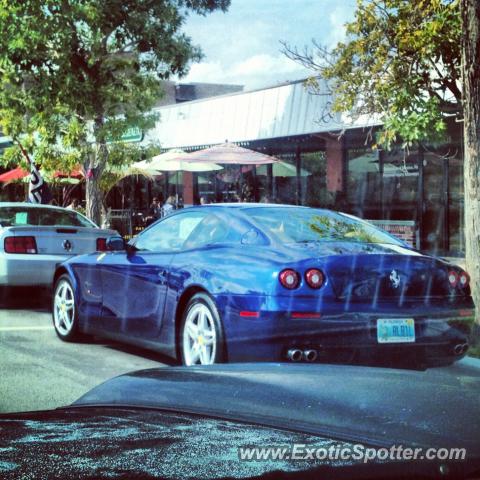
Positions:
(34, 239)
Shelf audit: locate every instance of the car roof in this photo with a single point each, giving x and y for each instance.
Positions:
(242, 205)
(30, 205)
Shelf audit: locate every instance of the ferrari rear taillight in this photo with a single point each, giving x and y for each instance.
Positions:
(20, 244)
(453, 278)
(314, 278)
(458, 279)
(102, 245)
(289, 278)
(464, 279)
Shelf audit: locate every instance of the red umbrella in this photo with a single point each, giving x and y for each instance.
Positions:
(231, 154)
(19, 173)
(12, 175)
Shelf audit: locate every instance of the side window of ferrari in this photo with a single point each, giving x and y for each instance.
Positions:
(170, 234)
(209, 231)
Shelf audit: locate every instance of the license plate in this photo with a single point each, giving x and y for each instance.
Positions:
(395, 330)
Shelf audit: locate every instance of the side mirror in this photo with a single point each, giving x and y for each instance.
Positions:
(116, 243)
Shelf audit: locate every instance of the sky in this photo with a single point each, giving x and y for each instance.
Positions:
(242, 46)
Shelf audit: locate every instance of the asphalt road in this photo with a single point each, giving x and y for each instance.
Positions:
(39, 371)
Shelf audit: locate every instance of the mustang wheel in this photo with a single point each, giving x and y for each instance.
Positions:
(64, 310)
(201, 334)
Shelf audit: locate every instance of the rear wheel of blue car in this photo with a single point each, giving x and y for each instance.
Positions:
(64, 310)
(201, 339)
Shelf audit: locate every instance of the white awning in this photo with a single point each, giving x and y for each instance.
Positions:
(280, 111)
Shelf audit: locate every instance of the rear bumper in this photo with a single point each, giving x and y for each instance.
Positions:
(269, 336)
(29, 270)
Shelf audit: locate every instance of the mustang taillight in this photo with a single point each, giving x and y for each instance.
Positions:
(20, 245)
(102, 245)
(289, 278)
(314, 278)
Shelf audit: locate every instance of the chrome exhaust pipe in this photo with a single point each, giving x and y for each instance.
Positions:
(294, 354)
(310, 355)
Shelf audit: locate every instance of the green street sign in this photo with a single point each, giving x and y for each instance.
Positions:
(133, 134)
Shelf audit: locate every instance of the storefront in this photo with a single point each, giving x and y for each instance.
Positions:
(326, 160)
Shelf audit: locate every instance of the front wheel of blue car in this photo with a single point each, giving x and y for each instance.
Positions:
(201, 332)
(64, 310)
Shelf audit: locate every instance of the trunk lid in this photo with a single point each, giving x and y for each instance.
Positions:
(376, 273)
(387, 277)
(63, 240)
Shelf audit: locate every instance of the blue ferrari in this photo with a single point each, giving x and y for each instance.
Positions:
(257, 282)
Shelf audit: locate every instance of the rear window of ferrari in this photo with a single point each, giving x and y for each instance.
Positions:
(302, 225)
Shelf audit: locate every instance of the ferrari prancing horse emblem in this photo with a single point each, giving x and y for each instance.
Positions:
(395, 279)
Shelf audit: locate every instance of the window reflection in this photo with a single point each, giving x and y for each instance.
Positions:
(314, 180)
(364, 182)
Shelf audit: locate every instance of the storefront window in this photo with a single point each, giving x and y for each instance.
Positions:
(456, 226)
(206, 186)
(263, 182)
(221, 185)
(284, 177)
(399, 191)
(314, 180)
(433, 217)
(364, 182)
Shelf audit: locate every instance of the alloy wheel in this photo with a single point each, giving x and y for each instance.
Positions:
(64, 308)
(199, 336)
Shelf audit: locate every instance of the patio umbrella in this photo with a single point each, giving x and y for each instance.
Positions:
(283, 169)
(13, 175)
(200, 178)
(174, 161)
(367, 163)
(229, 153)
(58, 176)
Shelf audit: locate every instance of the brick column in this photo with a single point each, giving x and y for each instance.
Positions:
(188, 188)
(335, 164)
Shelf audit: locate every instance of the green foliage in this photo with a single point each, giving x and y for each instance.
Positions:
(74, 73)
(400, 62)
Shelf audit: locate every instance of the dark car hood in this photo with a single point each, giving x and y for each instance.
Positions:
(120, 443)
(124, 443)
(377, 406)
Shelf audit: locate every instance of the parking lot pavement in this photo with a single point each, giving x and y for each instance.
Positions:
(38, 371)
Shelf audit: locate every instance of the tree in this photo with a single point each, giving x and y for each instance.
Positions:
(470, 14)
(77, 74)
(401, 62)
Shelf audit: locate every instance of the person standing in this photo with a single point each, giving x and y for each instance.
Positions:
(155, 209)
(169, 205)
